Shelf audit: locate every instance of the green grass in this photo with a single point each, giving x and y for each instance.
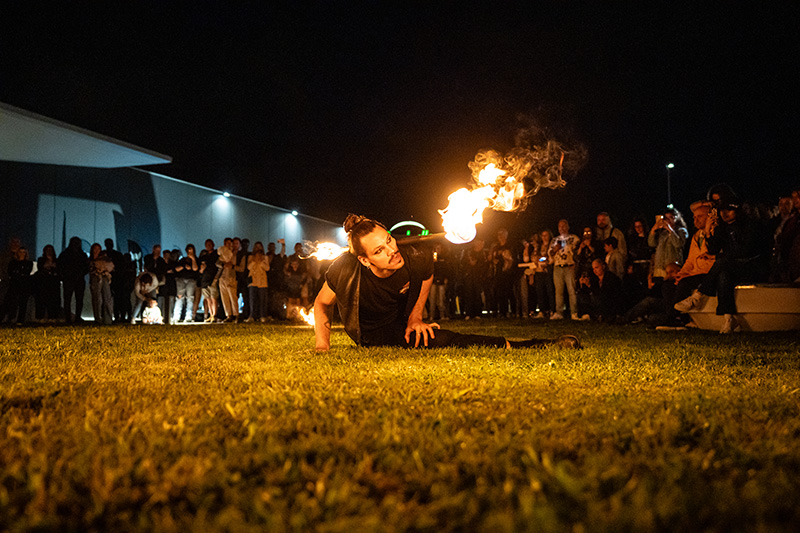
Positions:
(236, 428)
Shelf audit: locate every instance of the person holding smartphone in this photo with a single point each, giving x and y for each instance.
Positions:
(562, 256)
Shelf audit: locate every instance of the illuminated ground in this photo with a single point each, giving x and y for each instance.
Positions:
(246, 428)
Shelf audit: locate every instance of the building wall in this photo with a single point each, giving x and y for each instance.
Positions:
(47, 204)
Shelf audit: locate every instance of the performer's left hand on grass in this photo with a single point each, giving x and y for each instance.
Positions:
(422, 329)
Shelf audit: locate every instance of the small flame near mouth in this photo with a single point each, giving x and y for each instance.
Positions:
(307, 316)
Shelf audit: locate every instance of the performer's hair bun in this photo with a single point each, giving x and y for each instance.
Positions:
(352, 221)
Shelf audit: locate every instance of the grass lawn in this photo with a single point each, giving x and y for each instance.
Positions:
(245, 427)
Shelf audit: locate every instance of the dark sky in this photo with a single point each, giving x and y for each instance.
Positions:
(336, 107)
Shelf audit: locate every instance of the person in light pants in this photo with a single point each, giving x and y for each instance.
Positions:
(561, 253)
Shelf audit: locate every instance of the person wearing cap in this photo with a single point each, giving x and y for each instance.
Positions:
(742, 249)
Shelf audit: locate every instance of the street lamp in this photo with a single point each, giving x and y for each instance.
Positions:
(670, 166)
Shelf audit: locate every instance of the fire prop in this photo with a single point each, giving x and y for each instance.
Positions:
(307, 316)
(323, 251)
(505, 183)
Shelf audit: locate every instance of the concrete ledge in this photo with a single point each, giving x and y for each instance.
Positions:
(760, 308)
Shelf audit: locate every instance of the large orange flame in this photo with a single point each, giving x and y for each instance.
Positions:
(494, 189)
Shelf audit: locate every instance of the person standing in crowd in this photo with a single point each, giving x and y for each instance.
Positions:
(144, 293)
(208, 280)
(100, 269)
(128, 281)
(227, 280)
(48, 286)
(73, 265)
(788, 244)
(588, 250)
(776, 226)
(154, 263)
(503, 267)
(742, 250)
(296, 279)
(277, 279)
(615, 262)
(605, 229)
(639, 251)
(526, 302)
(169, 289)
(186, 274)
(258, 267)
(242, 247)
(474, 265)
(543, 277)
(381, 288)
(668, 237)
(118, 293)
(20, 285)
(562, 256)
(437, 298)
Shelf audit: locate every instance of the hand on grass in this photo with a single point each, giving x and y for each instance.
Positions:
(422, 329)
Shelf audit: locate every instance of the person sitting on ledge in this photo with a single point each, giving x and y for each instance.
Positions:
(381, 289)
(741, 248)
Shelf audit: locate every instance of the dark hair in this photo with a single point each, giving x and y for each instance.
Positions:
(612, 241)
(146, 278)
(357, 226)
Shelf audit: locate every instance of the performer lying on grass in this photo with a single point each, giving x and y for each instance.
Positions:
(381, 289)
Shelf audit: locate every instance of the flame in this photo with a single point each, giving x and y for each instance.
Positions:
(465, 210)
(498, 184)
(307, 316)
(325, 251)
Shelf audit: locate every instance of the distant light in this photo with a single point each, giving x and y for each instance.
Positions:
(670, 206)
(295, 213)
(670, 165)
(226, 194)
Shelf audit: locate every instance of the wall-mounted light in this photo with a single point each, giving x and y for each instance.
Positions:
(295, 213)
(226, 194)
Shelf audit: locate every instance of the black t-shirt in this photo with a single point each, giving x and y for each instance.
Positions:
(210, 260)
(385, 300)
(382, 300)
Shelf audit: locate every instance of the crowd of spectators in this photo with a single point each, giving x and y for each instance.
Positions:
(651, 273)
(229, 283)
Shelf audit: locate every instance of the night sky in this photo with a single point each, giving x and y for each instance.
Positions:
(377, 108)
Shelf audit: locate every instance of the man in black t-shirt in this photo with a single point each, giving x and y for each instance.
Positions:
(208, 280)
(381, 288)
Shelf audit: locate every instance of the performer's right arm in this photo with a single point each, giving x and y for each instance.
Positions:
(323, 313)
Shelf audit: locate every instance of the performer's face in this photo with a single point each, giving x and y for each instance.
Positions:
(382, 254)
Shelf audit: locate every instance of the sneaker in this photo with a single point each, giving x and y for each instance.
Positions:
(730, 325)
(695, 301)
(556, 316)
